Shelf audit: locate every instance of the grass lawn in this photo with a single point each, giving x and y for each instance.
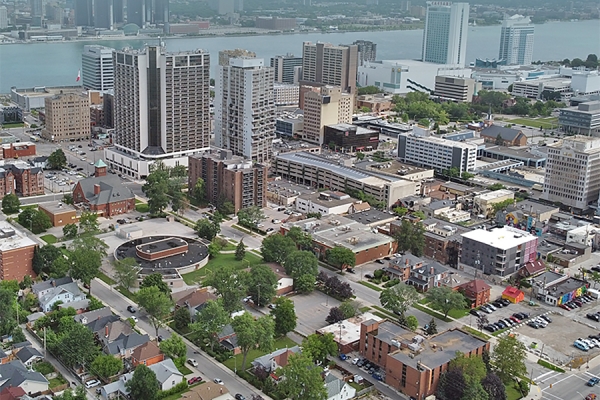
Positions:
(184, 370)
(220, 261)
(105, 278)
(126, 293)
(49, 238)
(512, 393)
(13, 125)
(142, 207)
(456, 314)
(229, 247)
(34, 206)
(138, 201)
(431, 312)
(546, 123)
(475, 332)
(55, 382)
(371, 286)
(252, 354)
(364, 309)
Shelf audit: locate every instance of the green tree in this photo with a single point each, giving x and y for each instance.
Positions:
(43, 257)
(106, 366)
(156, 303)
(206, 229)
(302, 239)
(499, 140)
(412, 322)
(126, 272)
(445, 299)
(230, 284)
(494, 387)
(301, 262)
(496, 186)
(452, 172)
(302, 380)
(199, 192)
(68, 394)
(250, 216)
(253, 333)
(85, 265)
(60, 267)
(431, 327)
(305, 283)
(88, 222)
(360, 156)
(7, 311)
(143, 384)
(227, 208)
(411, 237)
(508, 358)
(75, 344)
(35, 220)
(90, 243)
(210, 320)
(95, 304)
(182, 318)
(10, 204)
(156, 280)
(276, 248)
(400, 211)
(174, 346)
(240, 251)
(340, 257)
(262, 284)
(284, 316)
(319, 347)
(156, 188)
(472, 368)
(70, 231)
(368, 90)
(503, 205)
(349, 308)
(467, 175)
(57, 160)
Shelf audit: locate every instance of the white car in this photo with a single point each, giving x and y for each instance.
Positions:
(218, 381)
(355, 361)
(192, 362)
(92, 383)
(134, 318)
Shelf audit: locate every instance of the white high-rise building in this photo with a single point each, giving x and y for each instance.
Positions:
(97, 72)
(3, 17)
(516, 40)
(245, 112)
(161, 108)
(573, 172)
(445, 35)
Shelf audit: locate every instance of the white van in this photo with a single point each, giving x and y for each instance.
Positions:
(92, 383)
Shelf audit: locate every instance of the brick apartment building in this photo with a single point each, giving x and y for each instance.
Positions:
(104, 194)
(413, 364)
(476, 291)
(21, 178)
(16, 253)
(229, 178)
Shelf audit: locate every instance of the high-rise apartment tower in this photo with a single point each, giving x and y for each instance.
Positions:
(516, 40)
(330, 65)
(445, 34)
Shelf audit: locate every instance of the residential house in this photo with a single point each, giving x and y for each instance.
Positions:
(12, 393)
(42, 288)
(31, 318)
(39, 162)
(4, 358)
(87, 317)
(15, 374)
(285, 283)
(65, 293)
(208, 391)
(504, 136)
(532, 269)
(28, 356)
(337, 389)
(80, 306)
(476, 291)
(166, 372)
(148, 353)
(228, 339)
(428, 276)
(279, 358)
(194, 300)
(118, 338)
(400, 267)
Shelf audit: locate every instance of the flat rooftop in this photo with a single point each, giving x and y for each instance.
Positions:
(45, 91)
(502, 238)
(314, 160)
(350, 328)
(333, 199)
(359, 129)
(372, 217)
(495, 194)
(443, 142)
(12, 239)
(517, 153)
(532, 206)
(57, 207)
(433, 352)
(563, 287)
(162, 245)
(393, 167)
(289, 189)
(335, 230)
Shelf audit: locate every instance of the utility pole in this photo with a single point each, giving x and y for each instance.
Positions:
(44, 342)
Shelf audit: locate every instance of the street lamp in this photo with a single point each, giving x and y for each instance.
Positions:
(235, 360)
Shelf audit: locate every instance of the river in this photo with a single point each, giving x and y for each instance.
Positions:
(53, 64)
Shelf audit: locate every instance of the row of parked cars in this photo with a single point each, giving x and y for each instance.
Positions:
(537, 322)
(577, 303)
(372, 369)
(490, 307)
(587, 344)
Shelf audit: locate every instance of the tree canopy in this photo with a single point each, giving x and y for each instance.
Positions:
(250, 217)
(302, 380)
(508, 358)
(284, 315)
(143, 384)
(276, 248)
(411, 237)
(156, 303)
(253, 333)
(340, 257)
(319, 347)
(445, 299)
(210, 321)
(10, 204)
(262, 284)
(399, 298)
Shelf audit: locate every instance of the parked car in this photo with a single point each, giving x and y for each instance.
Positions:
(498, 304)
(239, 396)
(218, 381)
(475, 313)
(131, 309)
(377, 376)
(546, 318)
(533, 324)
(192, 362)
(368, 276)
(505, 302)
(581, 345)
(350, 270)
(565, 307)
(380, 261)
(596, 268)
(594, 317)
(355, 361)
(195, 379)
(515, 319)
(490, 328)
(92, 383)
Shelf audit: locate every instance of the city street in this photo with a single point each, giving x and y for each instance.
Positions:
(207, 368)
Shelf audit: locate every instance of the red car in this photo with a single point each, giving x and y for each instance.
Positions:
(564, 306)
(515, 319)
(195, 379)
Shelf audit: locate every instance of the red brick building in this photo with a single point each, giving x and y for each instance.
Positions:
(413, 364)
(16, 254)
(22, 179)
(477, 291)
(18, 150)
(104, 194)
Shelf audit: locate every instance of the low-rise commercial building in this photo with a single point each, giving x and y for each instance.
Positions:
(556, 289)
(319, 172)
(325, 203)
(16, 253)
(18, 150)
(60, 214)
(288, 125)
(413, 363)
(583, 119)
(498, 251)
(334, 230)
(434, 152)
(350, 138)
(229, 178)
(19, 177)
(532, 89)
(323, 105)
(443, 241)
(484, 203)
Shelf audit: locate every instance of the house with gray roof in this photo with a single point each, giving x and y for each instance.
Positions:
(66, 293)
(279, 358)
(428, 276)
(337, 389)
(15, 374)
(104, 194)
(124, 344)
(166, 373)
(29, 355)
(509, 136)
(40, 289)
(87, 317)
